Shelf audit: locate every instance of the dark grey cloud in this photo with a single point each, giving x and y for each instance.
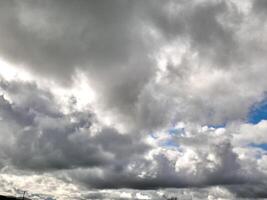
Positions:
(103, 39)
(47, 139)
(44, 139)
(112, 43)
(257, 191)
(87, 31)
(200, 24)
(260, 6)
(225, 170)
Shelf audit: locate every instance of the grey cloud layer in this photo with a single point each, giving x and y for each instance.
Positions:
(39, 138)
(117, 44)
(151, 65)
(42, 137)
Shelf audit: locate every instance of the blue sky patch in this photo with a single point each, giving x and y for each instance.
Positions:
(153, 135)
(170, 144)
(217, 126)
(176, 131)
(262, 146)
(258, 112)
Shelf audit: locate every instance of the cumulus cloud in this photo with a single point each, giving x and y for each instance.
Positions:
(251, 134)
(42, 137)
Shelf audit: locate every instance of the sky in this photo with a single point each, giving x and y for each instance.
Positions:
(133, 99)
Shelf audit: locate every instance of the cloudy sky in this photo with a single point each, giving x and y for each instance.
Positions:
(133, 99)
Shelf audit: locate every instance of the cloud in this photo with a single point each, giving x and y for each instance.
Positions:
(250, 133)
(36, 186)
(130, 71)
(42, 137)
(102, 39)
(259, 6)
(117, 46)
(178, 56)
(249, 191)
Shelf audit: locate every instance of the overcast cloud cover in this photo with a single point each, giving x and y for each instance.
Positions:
(133, 99)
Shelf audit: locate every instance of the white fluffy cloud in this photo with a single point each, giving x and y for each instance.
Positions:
(252, 134)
